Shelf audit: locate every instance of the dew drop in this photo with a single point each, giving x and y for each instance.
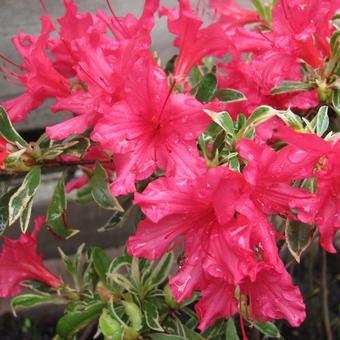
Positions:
(298, 156)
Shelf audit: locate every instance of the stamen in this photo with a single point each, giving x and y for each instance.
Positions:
(117, 20)
(44, 7)
(11, 62)
(167, 97)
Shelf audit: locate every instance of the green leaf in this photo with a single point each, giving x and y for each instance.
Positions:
(259, 8)
(335, 43)
(229, 95)
(291, 118)
(68, 263)
(8, 132)
(109, 326)
(162, 336)
(4, 213)
(191, 335)
(261, 114)
(206, 88)
(231, 332)
(21, 199)
(290, 86)
(78, 149)
(29, 300)
(101, 262)
(25, 217)
(234, 163)
(249, 132)
(299, 236)
(73, 322)
(100, 190)
(161, 272)
(336, 101)
(56, 212)
(268, 329)
(16, 161)
(223, 119)
(240, 122)
(134, 314)
(84, 195)
(336, 21)
(118, 263)
(264, 10)
(152, 316)
(322, 121)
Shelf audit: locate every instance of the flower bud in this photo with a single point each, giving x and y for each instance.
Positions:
(110, 327)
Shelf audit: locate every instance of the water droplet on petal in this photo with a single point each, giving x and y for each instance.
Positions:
(297, 156)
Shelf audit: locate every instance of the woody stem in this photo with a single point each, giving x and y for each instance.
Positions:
(324, 295)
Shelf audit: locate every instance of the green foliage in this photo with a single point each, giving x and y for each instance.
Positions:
(72, 322)
(206, 88)
(4, 209)
(21, 199)
(29, 300)
(56, 212)
(299, 236)
(231, 332)
(8, 132)
(291, 86)
(229, 95)
(100, 190)
(322, 120)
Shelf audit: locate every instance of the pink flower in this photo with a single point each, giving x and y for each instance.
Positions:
(232, 15)
(19, 262)
(300, 32)
(3, 150)
(194, 42)
(228, 242)
(304, 26)
(40, 79)
(270, 174)
(73, 27)
(272, 296)
(100, 64)
(151, 128)
(258, 76)
(218, 301)
(129, 27)
(324, 160)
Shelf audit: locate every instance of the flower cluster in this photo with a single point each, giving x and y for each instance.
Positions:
(100, 68)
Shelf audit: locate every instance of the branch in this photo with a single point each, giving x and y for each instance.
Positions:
(324, 295)
(55, 164)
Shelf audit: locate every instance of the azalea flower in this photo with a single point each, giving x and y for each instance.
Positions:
(129, 27)
(304, 27)
(298, 34)
(272, 296)
(20, 262)
(270, 173)
(323, 159)
(152, 128)
(256, 78)
(228, 243)
(231, 15)
(194, 43)
(40, 79)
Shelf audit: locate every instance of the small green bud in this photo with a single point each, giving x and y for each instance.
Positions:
(134, 313)
(169, 298)
(110, 327)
